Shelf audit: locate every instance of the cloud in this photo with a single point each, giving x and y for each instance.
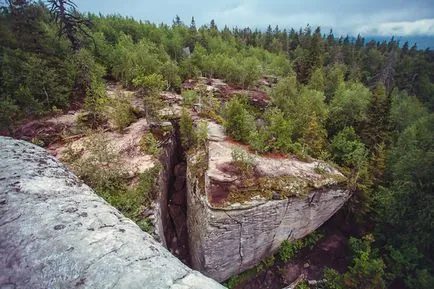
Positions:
(422, 27)
(367, 17)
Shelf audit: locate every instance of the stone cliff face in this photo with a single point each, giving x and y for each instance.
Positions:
(57, 233)
(233, 226)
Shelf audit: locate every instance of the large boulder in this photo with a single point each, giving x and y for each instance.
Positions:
(235, 222)
(57, 233)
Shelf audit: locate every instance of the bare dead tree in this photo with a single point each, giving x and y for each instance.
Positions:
(70, 21)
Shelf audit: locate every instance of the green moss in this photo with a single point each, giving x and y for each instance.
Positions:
(285, 186)
(238, 279)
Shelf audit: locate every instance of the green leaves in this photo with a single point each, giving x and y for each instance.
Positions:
(349, 106)
(347, 148)
(239, 122)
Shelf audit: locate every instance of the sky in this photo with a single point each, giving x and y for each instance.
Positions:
(411, 19)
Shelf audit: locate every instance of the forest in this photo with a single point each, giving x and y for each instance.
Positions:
(365, 106)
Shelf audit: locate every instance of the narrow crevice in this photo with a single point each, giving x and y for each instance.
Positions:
(176, 232)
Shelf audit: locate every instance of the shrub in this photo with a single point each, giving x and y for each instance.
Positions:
(150, 86)
(365, 272)
(150, 145)
(94, 105)
(289, 249)
(189, 97)
(101, 167)
(121, 112)
(188, 134)
(202, 133)
(259, 140)
(279, 130)
(350, 152)
(302, 285)
(238, 122)
(243, 161)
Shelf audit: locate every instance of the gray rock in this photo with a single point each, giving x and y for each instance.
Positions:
(228, 238)
(57, 233)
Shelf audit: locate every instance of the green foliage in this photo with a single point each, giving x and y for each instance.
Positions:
(347, 148)
(317, 80)
(131, 60)
(189, 97)
(403, 230)
(298, 106)
(8, 113)
(150, 87)
(289, 249)
(349, 107)
(314, 136)
(243, 161)
(405, 110)
(238, 279)
(101, 167)
(170, 72)
(151, 84)
(187, 131)
(94, 105)
(275, 135)
(365, 272)
(302, 285)
(239, 123)
(120, 111)
(202, 133)
(131, 201)
(150, 145)
(376, 129)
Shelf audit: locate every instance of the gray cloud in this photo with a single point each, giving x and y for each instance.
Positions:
(374, 17)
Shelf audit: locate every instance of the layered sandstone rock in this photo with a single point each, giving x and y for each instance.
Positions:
(236, 222)
(57, 233)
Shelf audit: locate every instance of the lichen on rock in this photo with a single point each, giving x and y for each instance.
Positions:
(235, 220)
(57, 233)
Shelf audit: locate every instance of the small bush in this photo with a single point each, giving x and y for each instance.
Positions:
(121, 112)
(244, 161)
(259, 140)
(94, 105)
(188, 134)
(150, 87)
(150, 145)
(289, 249)
(101, 167)
(202, 133)
(189, 97)
(239, 123)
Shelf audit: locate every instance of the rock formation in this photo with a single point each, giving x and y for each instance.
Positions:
(234, 225)
(57, 233)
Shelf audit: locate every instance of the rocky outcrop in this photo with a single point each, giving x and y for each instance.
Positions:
(57, 233)
(233, 226)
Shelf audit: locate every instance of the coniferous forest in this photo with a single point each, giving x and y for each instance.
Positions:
(365, 106)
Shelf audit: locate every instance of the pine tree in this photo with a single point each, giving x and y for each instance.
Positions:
(376, 128)
(314, 136)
